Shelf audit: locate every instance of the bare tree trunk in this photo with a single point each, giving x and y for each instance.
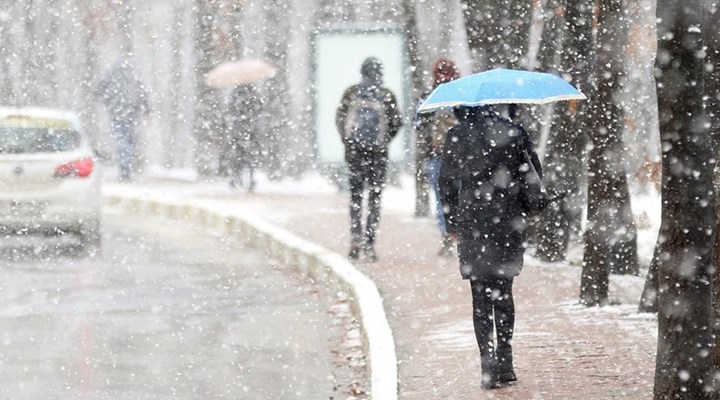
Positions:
(277, 98)
(516, 32)
(497, 35)
(46, 38)
(412, 37)
(684, 368)
(610, 237)
(713, 108)
(648, 299)
(550, 229)
(173, 148)
(6, 88)
(715, 307)
(335, 11)
(230, 46)
(446, 33)
(565, 154)
(38, 83)
(90, 70)
(481, 30)
(236, 30)
(208, 112)
(549, 55)
(28, 90)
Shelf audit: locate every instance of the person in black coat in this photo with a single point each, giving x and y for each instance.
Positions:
(367, 119)
(479, 188)
(243, 123)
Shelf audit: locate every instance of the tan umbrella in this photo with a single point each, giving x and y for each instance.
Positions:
(234, 73)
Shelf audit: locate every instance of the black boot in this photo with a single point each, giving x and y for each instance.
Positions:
(505, 371)
(354, 252)
(488, 363)
(369, 253)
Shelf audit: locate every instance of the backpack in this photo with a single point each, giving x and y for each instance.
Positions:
(367, 125)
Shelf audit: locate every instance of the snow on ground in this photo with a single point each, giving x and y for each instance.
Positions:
(457, 336)
(398, 197)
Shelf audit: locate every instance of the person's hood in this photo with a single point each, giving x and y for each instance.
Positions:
(372, 72)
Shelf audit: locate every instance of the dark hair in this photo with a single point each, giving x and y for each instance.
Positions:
(444, 70)
(371, 68)
(461, 112)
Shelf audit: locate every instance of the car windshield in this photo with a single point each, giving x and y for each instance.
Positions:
(18, 140)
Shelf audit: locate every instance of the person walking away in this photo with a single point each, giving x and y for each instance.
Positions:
(431, 130)
(367, 120)
(242, 121)
(126, 99)
(479, 189)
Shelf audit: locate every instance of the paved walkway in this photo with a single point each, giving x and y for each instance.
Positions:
(562, 350)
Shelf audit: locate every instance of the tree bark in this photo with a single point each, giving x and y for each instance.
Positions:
(412, 37)
(565, 152)
(7, 95)
(171, 159)
(335, 11)
(446, 9)
(274, 139)
(715, 307)
(90, 70)
(610, 236)
(713, 109)
(497, 35)
(683, 363)
(648, 299)
(207, 127)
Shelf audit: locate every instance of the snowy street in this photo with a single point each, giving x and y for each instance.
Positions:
(564, 350)
(165, 313)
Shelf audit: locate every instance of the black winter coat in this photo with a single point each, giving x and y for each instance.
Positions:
(124, 94)
(479, 190)
(243, 122)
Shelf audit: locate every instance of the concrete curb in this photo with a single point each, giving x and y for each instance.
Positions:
(321, 263)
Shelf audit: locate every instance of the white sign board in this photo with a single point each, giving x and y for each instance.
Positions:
(338, 56)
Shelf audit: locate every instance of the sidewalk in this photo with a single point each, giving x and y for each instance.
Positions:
(562, 350)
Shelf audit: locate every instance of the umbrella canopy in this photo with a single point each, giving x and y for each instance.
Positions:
(235, 73)
(501, 86)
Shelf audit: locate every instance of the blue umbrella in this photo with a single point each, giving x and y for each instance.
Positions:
(501, 86)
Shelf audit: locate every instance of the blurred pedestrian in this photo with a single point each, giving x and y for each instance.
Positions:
(431, 130)
(367, 119)
(126, 99)
(480, 192)
(242, 122)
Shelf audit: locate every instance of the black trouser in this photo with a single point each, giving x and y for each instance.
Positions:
(493, 307)
(366, 168)
(241, 162)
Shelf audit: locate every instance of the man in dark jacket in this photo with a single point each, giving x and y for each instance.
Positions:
(367, 119)
(480, 190)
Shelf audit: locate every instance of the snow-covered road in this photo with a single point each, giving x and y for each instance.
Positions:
(166, 312)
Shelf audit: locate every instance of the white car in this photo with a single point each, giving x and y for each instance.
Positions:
(49, 178)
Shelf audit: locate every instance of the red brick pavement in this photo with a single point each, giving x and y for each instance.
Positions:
(562, 350)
